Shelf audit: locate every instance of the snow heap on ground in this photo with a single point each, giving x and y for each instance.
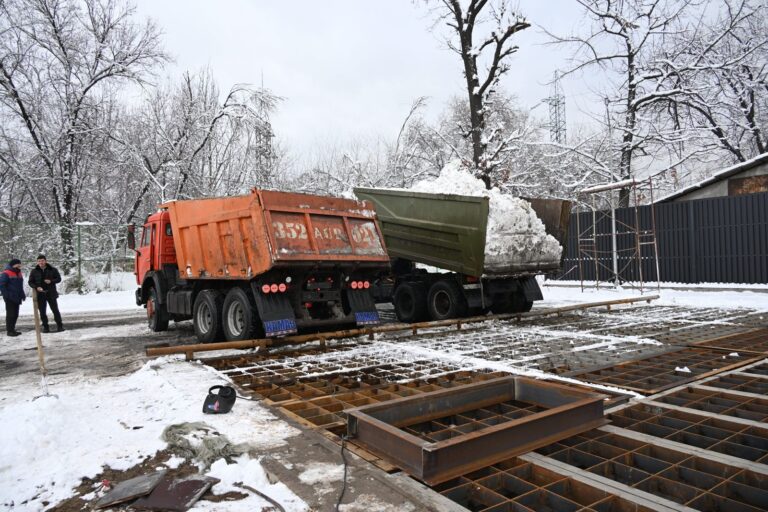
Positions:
(515, 236)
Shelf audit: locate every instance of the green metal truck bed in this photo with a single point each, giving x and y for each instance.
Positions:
(447, 230)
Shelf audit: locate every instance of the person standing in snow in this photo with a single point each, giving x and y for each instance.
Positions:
(43, 278)
(12, 289)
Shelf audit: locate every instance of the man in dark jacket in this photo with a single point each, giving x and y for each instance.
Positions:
(12, 289)
(43, 278)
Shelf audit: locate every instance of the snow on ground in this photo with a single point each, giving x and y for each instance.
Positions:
(249, 472)
(50, 443)
(91, 302)
(555, 295)
(515, 236)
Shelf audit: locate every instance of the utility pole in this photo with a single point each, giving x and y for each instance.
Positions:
(556, 102)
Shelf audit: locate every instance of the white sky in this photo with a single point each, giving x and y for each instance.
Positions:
(349, 68)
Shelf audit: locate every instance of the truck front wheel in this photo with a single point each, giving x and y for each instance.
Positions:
(446, 300)
(206, 316)
(410, 301)
(241, 322)
(157, 314)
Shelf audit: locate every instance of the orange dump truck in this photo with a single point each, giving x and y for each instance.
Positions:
(264, 264)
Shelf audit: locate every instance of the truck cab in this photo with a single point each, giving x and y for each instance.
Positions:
(155, 265)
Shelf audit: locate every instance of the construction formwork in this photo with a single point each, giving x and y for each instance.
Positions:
(698, 441)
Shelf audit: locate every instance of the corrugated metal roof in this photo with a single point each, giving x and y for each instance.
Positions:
(718, 176)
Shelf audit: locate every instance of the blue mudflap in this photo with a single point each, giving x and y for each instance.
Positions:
(279, 327)
(367, 317)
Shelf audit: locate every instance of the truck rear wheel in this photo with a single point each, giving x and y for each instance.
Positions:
(514, 302)
(157, 314)
(241, 322)
(410, 301)
(446, 300)
(206, 316)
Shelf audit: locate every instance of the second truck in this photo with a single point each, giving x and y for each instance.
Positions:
(440, 269)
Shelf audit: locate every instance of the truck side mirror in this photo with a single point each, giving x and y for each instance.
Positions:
(131, 238)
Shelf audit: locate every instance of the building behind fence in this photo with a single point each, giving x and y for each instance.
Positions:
(717, 240)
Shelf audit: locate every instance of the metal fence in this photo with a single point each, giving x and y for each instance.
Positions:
(98, 248)
(718, 240)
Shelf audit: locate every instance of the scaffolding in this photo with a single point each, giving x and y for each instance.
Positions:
(626, 259)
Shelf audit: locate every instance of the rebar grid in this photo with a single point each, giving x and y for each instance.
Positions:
(518, 485)
(663, 371)
(728, 437)
(698, 482)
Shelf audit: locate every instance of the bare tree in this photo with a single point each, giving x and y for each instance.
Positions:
(58, 59)
(186, 142)
(724, 84)
(621, 43)
(482, 36)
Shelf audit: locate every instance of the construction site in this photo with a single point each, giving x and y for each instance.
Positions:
(640, 407)
(460, 379)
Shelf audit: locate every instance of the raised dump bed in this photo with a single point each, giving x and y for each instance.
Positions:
(450, 232)
(441, 435)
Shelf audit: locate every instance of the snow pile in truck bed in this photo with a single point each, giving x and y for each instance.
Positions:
(515, 236)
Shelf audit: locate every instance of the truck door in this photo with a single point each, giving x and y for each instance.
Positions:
(144, 251)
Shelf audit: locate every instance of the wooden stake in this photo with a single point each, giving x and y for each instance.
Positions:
(40, 353)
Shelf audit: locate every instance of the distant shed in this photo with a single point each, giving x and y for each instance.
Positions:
(748, 177)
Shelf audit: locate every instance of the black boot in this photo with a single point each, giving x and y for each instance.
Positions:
(59, 327)
(46, 329)
(13, 333)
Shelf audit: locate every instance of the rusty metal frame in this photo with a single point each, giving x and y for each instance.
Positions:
(588, 374)
(379, 428)
(754, 341)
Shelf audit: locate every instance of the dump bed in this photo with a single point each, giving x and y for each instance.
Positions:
(243, 236)
(448, 231)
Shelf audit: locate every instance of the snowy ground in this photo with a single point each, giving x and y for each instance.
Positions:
(48, 444)
(753, 297)
(118, 422)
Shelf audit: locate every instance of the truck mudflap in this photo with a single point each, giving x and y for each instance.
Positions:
(362, 305)
(276, 313)
(531, 289)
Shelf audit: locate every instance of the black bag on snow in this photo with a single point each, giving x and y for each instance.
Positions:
(221, 402)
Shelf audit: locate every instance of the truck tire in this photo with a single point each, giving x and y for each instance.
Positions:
(240, 319)
(522, 305)
(206, 316)
(410, 301)
(514, 302)
(446, 300)
(157, 314)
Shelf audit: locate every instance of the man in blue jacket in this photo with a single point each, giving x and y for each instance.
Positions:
(12, 289)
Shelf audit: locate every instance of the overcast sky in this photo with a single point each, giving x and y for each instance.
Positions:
(349, 68)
